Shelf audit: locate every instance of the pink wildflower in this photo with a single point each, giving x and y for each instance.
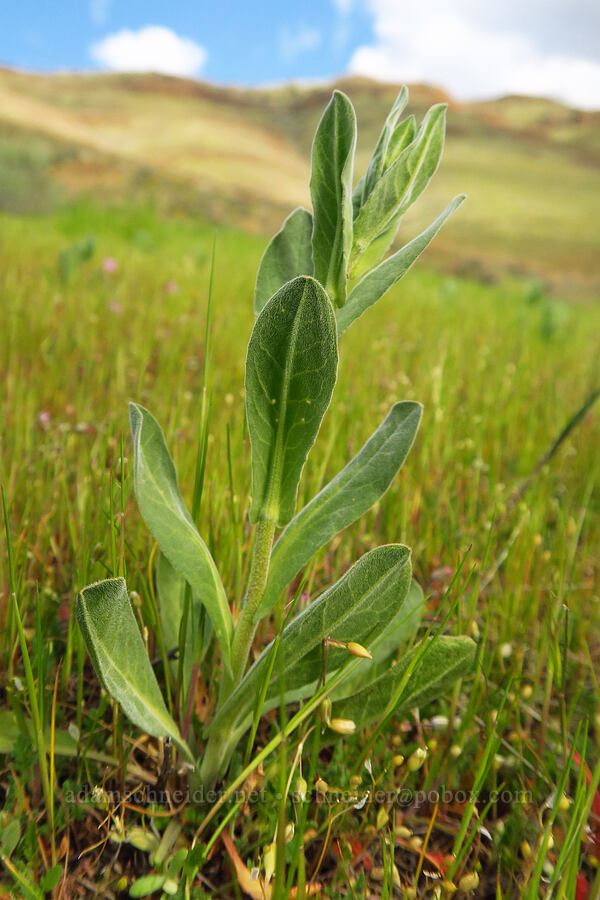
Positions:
(110, 265)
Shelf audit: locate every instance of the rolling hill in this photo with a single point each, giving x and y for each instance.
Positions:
(531, 167)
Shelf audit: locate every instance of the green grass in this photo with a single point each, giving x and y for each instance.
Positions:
(500, 369)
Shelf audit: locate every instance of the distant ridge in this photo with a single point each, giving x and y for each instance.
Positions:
(531, 166)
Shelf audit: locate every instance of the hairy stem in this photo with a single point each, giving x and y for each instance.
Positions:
(220, 746)
(246, 626)
(303, 713)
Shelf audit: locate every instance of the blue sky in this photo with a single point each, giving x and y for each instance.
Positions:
(244, 42)
(472, 48)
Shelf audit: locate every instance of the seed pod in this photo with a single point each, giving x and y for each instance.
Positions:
(469, 882)
(301, 788)
(416, 759)
(321, 786)
(343, 726)
(382, 818)
(269, 862)
(358, 650)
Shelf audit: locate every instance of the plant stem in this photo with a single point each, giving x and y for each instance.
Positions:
(246, 626)
(220, 745)
(215, 760)
(303, 713)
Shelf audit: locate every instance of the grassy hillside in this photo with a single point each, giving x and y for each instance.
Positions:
(530, 167)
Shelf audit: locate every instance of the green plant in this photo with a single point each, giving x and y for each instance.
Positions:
(318, 274)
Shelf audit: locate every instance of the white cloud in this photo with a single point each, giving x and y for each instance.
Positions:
(152, 48)
(460, 50)
(294, 41)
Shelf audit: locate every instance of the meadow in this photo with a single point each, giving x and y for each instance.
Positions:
(100, 304)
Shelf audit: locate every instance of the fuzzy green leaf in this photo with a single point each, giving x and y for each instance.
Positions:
(356, 608)
(438, 666)
(402, 627)
(331, 194)
(164, 512)
(288, 255)
(400, 140)
(350, 494)
(171, 590)
(146, 885)
(403, 135)
(378, 161)
(401, 183)
(10, 837)
(375, 284)
(398, 633)
(291, 369)
(116, 648)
